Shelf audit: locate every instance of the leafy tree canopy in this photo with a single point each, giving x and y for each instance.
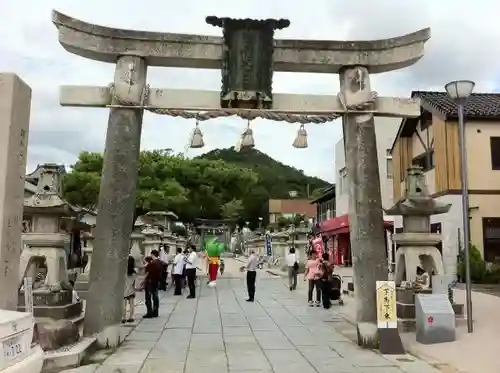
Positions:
(222, 183)
(191, 188)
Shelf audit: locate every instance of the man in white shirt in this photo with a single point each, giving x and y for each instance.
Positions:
(164, 258)
(178, 271)
(191, 261)
(293, 268)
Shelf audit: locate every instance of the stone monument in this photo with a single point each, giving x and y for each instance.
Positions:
(435, 319)
(56, 314)
(15, 105)
(246, 91)
(417, 245)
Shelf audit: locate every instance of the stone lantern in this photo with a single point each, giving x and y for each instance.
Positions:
(153, 238)
(45, 246)
(417, 245)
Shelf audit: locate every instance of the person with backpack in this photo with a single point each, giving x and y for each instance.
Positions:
(326, 270)
(293, 268)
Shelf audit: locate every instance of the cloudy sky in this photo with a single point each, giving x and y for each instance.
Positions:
(464, 45)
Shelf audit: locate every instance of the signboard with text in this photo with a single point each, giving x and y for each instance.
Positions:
(269, 248)
(386, 304)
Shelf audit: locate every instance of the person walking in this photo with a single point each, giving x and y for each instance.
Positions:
(293, 268)
(178, 271)
(312, 275)
(129, 293)
(251, 268)
(191, 261)
(154, 270)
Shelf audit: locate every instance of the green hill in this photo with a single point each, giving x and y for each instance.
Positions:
(275, 178)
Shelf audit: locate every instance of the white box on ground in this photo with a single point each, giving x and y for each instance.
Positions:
(435, 319)
(18, 355)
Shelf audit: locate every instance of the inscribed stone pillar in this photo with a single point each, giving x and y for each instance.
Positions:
(15, 105)
(365, 203)
(116, 204)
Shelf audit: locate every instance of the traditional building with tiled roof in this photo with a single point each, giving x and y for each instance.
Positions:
(432, 142)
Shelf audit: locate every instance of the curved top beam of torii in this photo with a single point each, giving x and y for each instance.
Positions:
(106, 44)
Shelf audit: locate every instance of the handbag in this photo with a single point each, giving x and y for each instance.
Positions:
(296, 266)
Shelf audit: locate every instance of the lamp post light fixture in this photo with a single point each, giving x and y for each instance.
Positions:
(459, 91)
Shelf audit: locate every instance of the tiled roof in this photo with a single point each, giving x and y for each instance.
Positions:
(479, 105)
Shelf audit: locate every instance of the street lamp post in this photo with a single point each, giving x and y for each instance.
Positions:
(460, 91)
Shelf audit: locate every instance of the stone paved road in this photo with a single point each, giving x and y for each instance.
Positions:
(221, 333)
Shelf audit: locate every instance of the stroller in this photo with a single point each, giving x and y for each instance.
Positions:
(336, 289)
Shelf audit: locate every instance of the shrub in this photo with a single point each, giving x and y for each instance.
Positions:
(493, 274)
(477, 265)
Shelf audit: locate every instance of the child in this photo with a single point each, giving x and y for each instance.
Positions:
(129, 294)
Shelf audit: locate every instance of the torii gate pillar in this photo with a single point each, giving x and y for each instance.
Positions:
(116, 204)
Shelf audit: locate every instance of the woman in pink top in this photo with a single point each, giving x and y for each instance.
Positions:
(313, 275)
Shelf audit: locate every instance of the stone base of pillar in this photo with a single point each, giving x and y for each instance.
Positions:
(110, 337)
(368, 335)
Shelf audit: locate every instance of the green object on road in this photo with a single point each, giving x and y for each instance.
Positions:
(213, 247)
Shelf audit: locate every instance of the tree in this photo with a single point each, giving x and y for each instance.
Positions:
(191, 188)
(275, 181)
(232, 209)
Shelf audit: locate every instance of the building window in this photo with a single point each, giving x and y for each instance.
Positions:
(425, 160)
(491, 239)
(495, 153)
(343, 182)
(389, 167)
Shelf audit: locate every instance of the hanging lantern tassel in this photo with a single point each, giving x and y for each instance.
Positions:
(247, 140)
(197, 138)
(300, 141)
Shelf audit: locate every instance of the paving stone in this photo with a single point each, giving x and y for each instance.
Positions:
(273, 340)
(83, 369)
(327, 334)
(221, 333)
(141, 336)
(237, 330)
(339, 365)
(253, 360)
(119, 369)
(283, 361)
(318, 353)
(206, 342)
(162, 365)
(301, 336)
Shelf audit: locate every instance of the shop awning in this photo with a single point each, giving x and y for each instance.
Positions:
(340, 224)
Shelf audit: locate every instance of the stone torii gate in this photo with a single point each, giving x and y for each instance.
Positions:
(247, 55)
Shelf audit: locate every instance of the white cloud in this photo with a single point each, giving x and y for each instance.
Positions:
(463, 45)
